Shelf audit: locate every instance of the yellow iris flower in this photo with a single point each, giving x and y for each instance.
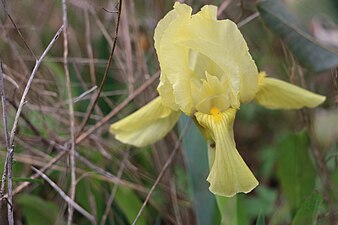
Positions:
(207, 72)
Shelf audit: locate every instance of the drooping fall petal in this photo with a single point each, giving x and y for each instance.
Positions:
(147, 125)
(276, 94)
(229, 174)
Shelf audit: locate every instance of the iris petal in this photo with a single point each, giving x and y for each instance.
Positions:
(147, 125)
(222, 42)
(277, 94)
(229, 174)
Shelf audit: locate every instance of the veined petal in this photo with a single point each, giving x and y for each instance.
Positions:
(166, 92)
(180, 12)
(182, 93)
(214, 93)
(276, 94)
(222, 42)
(147, 125)
(229, 174)
(173, 59)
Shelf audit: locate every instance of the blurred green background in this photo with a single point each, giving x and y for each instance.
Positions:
(293, 154)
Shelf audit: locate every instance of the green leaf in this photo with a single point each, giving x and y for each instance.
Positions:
(295, 168)
(38, 211)
(130, 204)
(308, 211)
(24, 179)
(196, 156)
(310, 53)
(232, 213)
(228, 209)
(263, 201)
(260, 219)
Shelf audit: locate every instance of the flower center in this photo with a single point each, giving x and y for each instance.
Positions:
(216, 114)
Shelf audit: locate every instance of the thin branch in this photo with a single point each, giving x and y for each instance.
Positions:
(117, 109)
(10, 211)
(37, 175)
(223, 7)
(10, 147)
(102, 174)
(29, 83)
(163, 170)
(89, 49)
(84, 94)
(17, 29)
(173, 196)
(71, 114)
(65, 197)
(4, 117)
(247, 20)
(113, 193)
(8, 163)
(105, 73)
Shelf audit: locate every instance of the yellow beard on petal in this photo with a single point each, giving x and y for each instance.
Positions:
(229, 174)
(216, 113)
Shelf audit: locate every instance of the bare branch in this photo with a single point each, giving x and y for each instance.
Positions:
(17, 30)
(71, 114)
(105, 73)
(163, 170)
(8, 163)
(65, 196)
(113, 193)
(29, 83)
(117, 109)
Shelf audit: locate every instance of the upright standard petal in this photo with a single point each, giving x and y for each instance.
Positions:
(147, 125)
(221, 42)
(173, 59)
(276, 94)
(229, 174)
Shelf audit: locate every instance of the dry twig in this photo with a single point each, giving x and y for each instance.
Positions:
(71, 114)
(8, 163)
(10, 139)
(163, 170)
(66, 197)
(29, 83)
(105, 73)
(117, 109)
(113, 193)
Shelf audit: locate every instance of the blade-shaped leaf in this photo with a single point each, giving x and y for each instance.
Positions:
(231, 209)
(196, 157)
(260, 219)
(228, 209)
(31, 180)
(130, 204)
(308, 211)
(38, 211)
(310, 53)
(295, 168)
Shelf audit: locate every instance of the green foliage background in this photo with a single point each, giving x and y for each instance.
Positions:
(292, 153)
